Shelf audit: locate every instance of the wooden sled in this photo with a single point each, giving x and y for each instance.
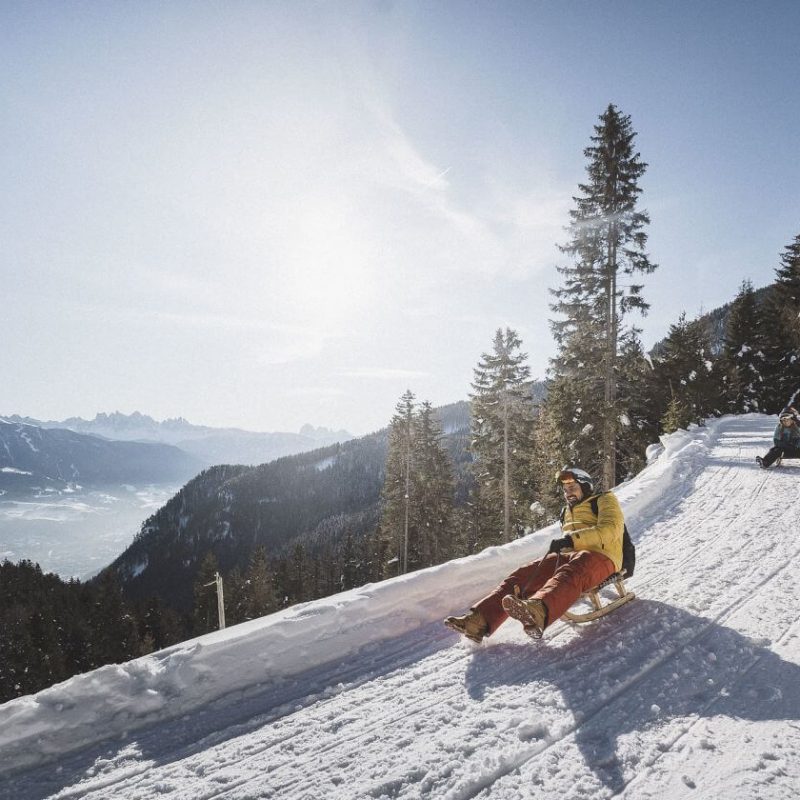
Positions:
(593, 596)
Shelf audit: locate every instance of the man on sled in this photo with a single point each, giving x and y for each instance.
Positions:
(537, 594)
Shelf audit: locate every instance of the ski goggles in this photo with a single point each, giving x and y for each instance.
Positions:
(573, 476)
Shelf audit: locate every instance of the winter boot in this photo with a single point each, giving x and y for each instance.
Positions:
(472, 625)
(760, 462)
(531, 613)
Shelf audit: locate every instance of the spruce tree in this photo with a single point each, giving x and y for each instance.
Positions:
(159, 624)
(330, 573)
(433, 490)
(46, 662)
(234, 586)
(502, 437)
(607, 242)
(685, 374)
(115, 636)
(781, 330)
(299, 574)
(19, 652)
(415, 524)
(375, 548)
(396, 519)
(743, 353)
(569, 426)
(205, 613)
(349, 574)
(676, 416)
(259, 591)
(638, 421)
(283, 581)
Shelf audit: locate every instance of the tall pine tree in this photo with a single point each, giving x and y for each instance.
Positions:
(502, 438)
(638, 423)
(434, 488)
(782, 332)
(743, 353)
(607, 242)
(206, 611)
(416, 523)
(685, 376)
(569, 425)
(259, 595)
(396, 519)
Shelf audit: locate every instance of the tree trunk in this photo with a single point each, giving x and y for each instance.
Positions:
(610, 421)
(407, 500)
(506, 492)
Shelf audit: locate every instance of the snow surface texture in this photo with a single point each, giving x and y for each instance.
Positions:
(692, 690)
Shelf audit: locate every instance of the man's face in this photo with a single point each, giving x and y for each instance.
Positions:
(572, 491)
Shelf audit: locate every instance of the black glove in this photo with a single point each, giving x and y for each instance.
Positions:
(557, 545)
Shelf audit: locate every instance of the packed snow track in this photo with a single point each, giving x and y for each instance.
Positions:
(691, 690)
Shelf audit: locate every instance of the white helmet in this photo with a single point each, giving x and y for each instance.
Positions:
(583, 478)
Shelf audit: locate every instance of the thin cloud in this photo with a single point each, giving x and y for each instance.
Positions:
(384, 374)
(513, 231)
(316, 391)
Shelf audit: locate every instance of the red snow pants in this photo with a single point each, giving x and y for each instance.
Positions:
(561, 580)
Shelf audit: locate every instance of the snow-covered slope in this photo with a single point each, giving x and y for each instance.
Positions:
(692, 690)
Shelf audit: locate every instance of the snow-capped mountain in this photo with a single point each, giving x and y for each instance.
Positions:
(209, 445)
(32, 457)
(691, 690)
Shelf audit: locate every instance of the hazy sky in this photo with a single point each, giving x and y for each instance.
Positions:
(262, 214)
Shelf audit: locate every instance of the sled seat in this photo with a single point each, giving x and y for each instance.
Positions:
(593, 596)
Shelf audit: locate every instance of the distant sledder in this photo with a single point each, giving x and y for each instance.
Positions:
(786, 439)
(588, 557)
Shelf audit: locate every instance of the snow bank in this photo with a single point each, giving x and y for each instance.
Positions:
(113, 700)
(678, 458)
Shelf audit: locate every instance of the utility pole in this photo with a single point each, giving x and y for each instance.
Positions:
(407, 499)
(220, 598)
(407, 495)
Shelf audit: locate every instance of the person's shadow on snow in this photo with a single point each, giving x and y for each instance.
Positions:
(663, 662)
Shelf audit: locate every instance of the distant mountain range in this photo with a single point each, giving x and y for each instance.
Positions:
(35, 458)
(207, 445)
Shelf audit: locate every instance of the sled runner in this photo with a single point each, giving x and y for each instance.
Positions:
(778, 461)
(521, 609)
(593, 596)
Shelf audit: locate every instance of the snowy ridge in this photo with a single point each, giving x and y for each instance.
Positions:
(691, 690)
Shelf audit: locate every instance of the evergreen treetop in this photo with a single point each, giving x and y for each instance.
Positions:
(607, 241)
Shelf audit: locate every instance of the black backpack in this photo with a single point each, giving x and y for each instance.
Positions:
(628, 549)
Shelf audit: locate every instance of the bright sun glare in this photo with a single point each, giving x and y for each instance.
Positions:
(329, 268)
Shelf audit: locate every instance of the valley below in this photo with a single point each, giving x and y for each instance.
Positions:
(76, 531)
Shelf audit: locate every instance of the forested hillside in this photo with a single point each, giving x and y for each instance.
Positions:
(300, 509)
(51, 629)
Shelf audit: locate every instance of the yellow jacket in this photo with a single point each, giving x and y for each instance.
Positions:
(601, 532)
